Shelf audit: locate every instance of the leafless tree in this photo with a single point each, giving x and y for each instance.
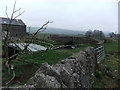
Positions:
(8, 39)
(6, 36)
(112, 35)
(89, 33)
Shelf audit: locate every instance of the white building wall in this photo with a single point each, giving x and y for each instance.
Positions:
(0, 54)
(119, 17)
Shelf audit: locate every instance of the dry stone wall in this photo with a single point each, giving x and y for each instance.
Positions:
(76, 71)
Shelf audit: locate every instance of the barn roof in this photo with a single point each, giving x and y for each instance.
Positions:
(31, 47)
(14, 22)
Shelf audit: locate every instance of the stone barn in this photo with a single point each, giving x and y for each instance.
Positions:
(17, 28)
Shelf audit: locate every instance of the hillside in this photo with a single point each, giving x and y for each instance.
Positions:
(56, 31)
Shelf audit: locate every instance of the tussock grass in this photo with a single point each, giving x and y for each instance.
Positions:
(104, 79)
(24, 70)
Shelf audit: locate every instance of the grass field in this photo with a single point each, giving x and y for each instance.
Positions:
(104, 79)
(24, 70)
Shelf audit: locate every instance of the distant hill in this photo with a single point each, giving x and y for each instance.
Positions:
(56, 31)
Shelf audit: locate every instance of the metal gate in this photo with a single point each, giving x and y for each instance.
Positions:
(100, 53)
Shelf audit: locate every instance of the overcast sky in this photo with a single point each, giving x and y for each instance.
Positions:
(67, 14)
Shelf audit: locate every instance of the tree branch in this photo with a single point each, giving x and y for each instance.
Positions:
(26, 46)
(7, 13)
(12, 68)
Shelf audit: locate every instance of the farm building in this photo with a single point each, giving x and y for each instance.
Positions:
(17, 28)
(13, 49)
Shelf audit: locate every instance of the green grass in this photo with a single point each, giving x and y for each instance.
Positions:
(51, 56)
(111, 47)
(24, 70)
(0, 48)
(43, 34)
(102, 79)
(39, 41)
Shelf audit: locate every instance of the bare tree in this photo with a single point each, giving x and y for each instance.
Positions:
(6, 36)
(89, 33)
(98, 34)
(8, 39)
(112, 35)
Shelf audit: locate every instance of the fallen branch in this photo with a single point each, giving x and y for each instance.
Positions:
(65, 46)
(12, 76)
